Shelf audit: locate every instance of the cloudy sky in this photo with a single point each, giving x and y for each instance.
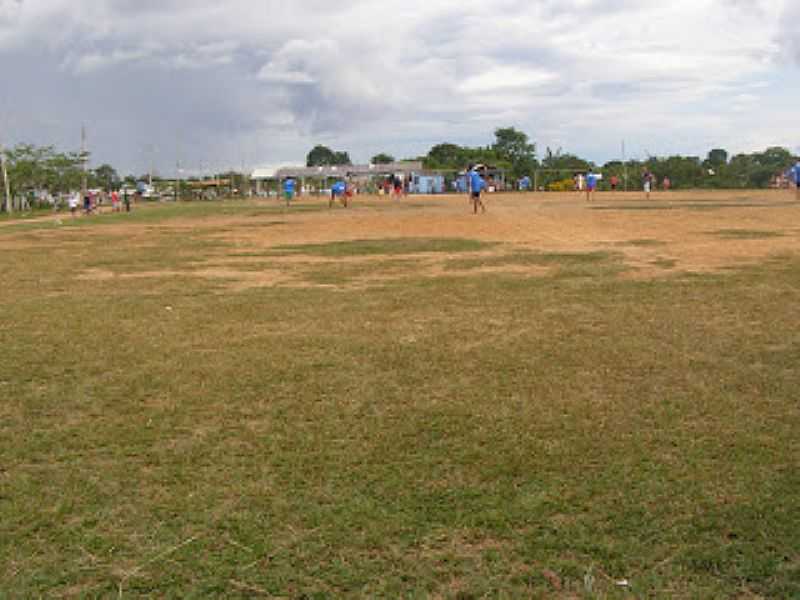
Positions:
(234, 83)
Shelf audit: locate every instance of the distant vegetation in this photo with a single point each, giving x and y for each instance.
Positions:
(32, 169)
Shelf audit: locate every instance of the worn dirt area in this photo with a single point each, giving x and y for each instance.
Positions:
(671, 233)
(677, 231)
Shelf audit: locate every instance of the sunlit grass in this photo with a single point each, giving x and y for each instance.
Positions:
(460, 436)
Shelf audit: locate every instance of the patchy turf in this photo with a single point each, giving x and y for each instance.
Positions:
(389, 246)
(459, 436)
(642, 243)
(746, 234)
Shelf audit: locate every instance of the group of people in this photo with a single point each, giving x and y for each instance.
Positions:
(649, 183)
(476, 186)
(343, 190)
(92, 201)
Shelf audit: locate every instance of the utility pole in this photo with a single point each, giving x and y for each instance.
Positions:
(84, 160)
(6, 187)
(177, 167)
(152, 158)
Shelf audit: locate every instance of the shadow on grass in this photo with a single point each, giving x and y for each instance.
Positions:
(746, 234)
(390, 246)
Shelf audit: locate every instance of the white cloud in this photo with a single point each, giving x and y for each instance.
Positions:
(269, 78)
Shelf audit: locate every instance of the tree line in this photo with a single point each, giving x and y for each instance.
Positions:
(33, 169)
(514, 152)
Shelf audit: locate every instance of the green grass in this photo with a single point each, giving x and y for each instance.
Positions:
(459, 437)
(665, 263)
(157, 213)
(642, 243)
(747, 234)
(562, 264)
(390, 246)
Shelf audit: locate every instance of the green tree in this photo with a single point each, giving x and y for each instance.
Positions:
(513, 147)
(322, 156)
(446, 156)
(105, 176)
(716, 158)
(382, 159)
(341, 158)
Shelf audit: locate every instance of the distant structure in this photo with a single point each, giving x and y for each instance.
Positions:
(319, 178)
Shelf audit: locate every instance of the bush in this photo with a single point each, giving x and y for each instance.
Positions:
(563, 185)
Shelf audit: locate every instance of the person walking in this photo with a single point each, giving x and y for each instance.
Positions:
(476, 186)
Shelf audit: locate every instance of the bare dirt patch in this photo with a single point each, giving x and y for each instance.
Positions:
(673, 232)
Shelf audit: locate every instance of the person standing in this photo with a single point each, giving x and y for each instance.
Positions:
(591, 185)
(647, 182)
(795, 171)
(338, 191)
(476, 186)
(288, 189)
(614, 181)
(666, 184)
(74, 200)
(398, 186)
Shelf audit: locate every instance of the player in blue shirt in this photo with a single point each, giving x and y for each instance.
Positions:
(337, 191)
(288, 189)
(476, 186)
(591, 185)
(795, 171)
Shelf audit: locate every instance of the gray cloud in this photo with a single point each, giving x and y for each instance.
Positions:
(262, 81)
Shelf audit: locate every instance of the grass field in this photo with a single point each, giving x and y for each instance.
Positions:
(404, 400)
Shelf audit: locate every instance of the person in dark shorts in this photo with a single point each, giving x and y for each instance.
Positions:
(476, 186)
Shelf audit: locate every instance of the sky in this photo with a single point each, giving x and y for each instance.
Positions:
(238, 84)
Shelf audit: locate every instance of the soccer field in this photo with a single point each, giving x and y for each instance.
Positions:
(555, 399)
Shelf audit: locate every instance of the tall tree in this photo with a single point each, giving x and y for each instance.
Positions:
(717, 157)
(341, 158)
(382, 159)
(105, 176)
(322, 156)
(514, 147)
